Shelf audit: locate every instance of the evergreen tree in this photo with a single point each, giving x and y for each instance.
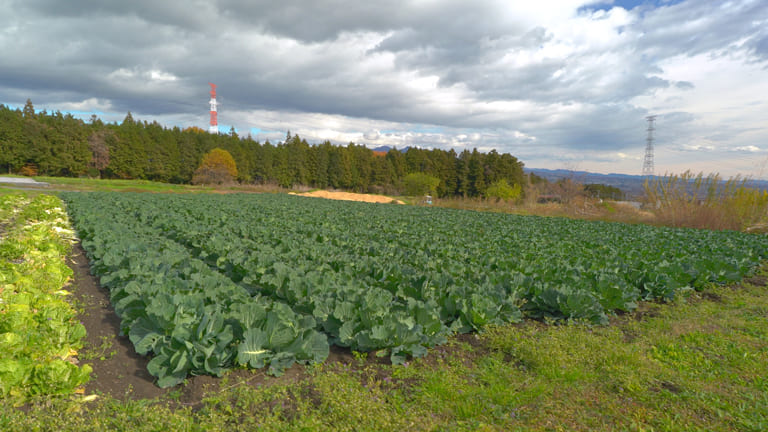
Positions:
(58, 144)
(297, 153)
(397, 162)
(11, 140)
(463, 183)
(263, 170)
(322, 167)
(162, 152)
(381, 171)
(29, 110)
(281, 166)
(476, 174)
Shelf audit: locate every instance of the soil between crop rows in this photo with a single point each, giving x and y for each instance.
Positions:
(122, 373)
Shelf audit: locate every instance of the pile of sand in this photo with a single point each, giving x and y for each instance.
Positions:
(348, 196)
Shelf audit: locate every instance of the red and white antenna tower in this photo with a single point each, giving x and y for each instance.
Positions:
(214, 127)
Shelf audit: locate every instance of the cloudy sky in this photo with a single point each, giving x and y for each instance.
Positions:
(559, 84)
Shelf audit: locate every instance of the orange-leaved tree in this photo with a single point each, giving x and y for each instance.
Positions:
(217, 167)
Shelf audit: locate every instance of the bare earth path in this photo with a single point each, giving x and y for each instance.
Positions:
(122, 372)
(349, 196)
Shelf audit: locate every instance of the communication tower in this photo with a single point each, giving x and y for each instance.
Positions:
(648, 161)
(214, 127)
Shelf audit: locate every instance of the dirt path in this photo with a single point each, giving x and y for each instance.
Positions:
(349, 196)
(117, 369)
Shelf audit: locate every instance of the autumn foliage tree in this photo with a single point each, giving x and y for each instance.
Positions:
(217, 167)
(195, 129)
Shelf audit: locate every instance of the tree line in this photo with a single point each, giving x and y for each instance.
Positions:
(56, 144)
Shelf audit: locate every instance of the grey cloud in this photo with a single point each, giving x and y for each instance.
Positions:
(324, 20)
(604, 127)
(191, 15)
(315, 21)
(692, 27)
(454, 55)
(354, 59)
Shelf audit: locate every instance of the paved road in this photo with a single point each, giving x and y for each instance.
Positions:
(22, 181)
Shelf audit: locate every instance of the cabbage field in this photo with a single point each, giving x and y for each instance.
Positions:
(205, 283)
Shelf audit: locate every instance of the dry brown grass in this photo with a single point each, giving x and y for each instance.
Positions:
(695, 201)
(687, 200)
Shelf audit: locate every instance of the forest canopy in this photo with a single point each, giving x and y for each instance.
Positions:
(57, 144)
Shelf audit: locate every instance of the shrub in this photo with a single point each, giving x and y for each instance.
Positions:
(29, 170)
(604, 191)
(502, 191)
(420, 184)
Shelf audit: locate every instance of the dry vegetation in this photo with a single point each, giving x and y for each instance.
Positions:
(577, 207)
(695, 201)
(685, 201)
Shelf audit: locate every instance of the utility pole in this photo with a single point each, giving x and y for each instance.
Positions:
(648, 161)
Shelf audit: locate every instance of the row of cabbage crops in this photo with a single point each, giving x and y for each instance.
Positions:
(209, 282)
(39, 331)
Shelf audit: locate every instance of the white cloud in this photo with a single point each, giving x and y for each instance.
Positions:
(157, 75)
(749, 149)
(697, 147)
(87, 105)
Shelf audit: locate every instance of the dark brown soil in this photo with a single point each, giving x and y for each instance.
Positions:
(117, 369)
(758, 280)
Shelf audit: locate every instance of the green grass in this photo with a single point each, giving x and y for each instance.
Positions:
(8, 191)
(698, 364)
(120, 185)
(87, 184)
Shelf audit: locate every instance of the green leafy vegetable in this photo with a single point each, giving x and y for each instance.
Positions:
(286, 275)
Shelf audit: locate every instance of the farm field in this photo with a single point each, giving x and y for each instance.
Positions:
(696, 361)
(206, 283)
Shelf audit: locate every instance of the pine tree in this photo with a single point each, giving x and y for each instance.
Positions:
(29, 110)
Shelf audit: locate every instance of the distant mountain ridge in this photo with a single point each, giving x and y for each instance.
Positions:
(632, 185)
(386, 149)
